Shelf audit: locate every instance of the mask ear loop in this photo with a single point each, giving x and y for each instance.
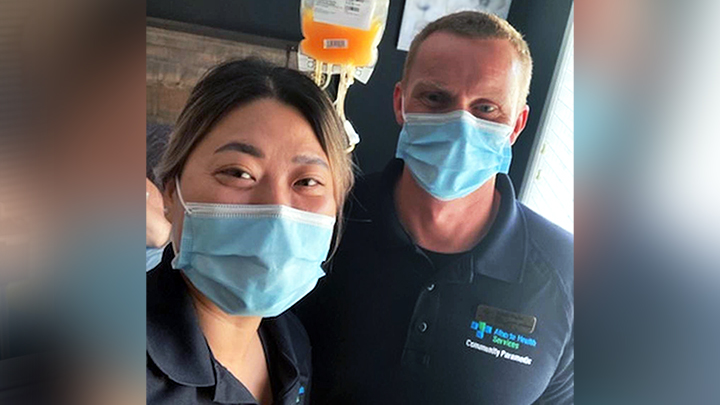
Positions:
(175, 246)
(179, 193)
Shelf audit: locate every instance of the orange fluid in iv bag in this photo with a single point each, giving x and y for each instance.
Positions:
(324, 42)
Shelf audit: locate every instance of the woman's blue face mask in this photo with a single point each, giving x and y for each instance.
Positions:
(252, 260)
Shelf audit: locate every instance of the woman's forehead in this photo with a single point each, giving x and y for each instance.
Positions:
(267, 125)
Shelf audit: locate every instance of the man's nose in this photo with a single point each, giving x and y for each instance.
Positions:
(463, 104)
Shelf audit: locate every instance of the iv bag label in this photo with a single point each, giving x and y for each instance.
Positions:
(335, 44)
(347, 13)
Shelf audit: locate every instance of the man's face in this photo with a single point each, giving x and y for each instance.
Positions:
(450, 72)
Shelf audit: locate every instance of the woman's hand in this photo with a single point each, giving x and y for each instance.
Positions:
(157, 227)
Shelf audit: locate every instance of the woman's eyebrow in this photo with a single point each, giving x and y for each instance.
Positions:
(310, 160)
(242, 148)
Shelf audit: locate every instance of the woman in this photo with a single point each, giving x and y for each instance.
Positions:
(253, 182)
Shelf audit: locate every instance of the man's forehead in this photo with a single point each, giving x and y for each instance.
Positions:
(439, 50)
(446, 60)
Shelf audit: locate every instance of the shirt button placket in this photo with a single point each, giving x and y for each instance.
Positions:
(419, 338)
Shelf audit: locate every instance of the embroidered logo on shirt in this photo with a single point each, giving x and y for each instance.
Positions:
(500, 336)
(506, 340)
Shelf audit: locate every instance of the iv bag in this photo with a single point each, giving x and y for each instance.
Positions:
(341, 37)
(343, 32)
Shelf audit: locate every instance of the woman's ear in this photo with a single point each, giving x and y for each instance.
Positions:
(169, 199)
(157, 225)
(334, 242)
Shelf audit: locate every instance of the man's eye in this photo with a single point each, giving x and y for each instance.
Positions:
(434, 98)
(486, 108)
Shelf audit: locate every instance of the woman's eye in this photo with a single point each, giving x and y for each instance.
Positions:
(308, 182)
(239, 173)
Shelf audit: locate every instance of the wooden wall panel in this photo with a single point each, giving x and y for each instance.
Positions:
(179, 54)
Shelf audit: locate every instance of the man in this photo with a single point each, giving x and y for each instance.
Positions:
(445, 289)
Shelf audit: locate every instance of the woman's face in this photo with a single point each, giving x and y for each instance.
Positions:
(264, 152)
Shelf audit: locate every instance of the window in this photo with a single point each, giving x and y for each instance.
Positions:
(548, 186)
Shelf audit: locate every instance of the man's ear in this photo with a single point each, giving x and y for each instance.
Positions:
(397, 103)
(520, 124)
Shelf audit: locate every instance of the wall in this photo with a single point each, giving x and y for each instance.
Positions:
(177, 59)
(542, 22)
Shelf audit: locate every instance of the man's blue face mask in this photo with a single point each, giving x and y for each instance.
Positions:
(252, 260)
(452, 154)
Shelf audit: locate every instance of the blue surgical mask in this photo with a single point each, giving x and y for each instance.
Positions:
(153, 257)
(252, 260)
(451, 155)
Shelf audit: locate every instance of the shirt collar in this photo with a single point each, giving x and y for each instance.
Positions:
(502, 252)
(178, 347)
(285, 373)
(174, 339)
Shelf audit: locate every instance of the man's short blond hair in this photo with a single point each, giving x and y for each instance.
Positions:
(477, 25)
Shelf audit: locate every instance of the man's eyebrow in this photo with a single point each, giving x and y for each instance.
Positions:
(432, 84)
(242, 148)
(310, 160)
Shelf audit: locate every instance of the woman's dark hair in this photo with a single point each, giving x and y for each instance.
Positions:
(157, 137)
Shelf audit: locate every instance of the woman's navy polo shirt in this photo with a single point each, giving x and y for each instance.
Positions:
(391, 324)
(181, 368)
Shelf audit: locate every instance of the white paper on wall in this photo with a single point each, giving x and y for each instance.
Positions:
(418, 13)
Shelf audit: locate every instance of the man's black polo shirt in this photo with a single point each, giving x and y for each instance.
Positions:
(180, 366)
(387, 327)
